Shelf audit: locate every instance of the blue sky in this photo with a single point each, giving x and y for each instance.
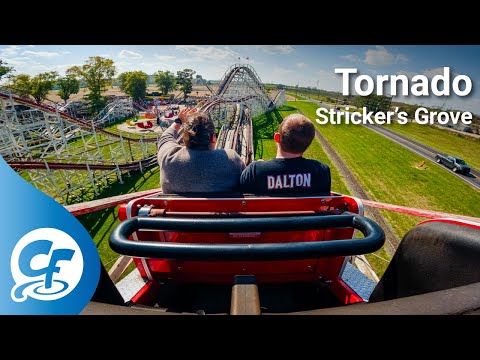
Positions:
(305, 65)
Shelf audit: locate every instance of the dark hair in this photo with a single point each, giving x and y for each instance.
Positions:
(198, 131)
(296, 133)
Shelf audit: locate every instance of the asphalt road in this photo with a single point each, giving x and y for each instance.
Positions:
(427, 152)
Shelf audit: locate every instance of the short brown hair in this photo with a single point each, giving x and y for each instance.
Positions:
(296, 133)
(198, 131)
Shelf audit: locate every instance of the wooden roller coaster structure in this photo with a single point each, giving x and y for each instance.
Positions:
(64, 156)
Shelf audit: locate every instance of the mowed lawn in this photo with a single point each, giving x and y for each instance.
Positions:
(101, 223)
(393, 174)
(462, 146)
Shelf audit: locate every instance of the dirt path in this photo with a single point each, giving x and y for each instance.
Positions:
(391, 240)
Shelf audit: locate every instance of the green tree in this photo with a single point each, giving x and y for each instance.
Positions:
(41, 84)
(98, 74)
(184, 79)
(68, 85)
(4, 69)
(21, 85)
(375, 103)
(37, 86)
(165, 81)
(134, 84)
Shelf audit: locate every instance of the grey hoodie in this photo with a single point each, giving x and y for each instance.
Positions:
(187, 170)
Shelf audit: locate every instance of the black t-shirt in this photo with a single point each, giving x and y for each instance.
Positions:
(286, 176)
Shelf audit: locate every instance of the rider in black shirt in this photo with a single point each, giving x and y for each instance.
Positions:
(289, 173)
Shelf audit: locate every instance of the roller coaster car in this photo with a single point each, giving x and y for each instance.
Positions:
(259, 255)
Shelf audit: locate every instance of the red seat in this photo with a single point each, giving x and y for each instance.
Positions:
(327, 269)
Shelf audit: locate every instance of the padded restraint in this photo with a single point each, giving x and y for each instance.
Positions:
(432, 256)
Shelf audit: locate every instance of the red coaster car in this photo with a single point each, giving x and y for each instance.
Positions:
(253, 255)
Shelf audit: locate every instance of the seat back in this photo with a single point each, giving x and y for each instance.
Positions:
(241, 206)
(435, 255)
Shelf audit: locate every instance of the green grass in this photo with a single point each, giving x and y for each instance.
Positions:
(313, 95)
(350, 108)
(78, 149)
(392, 174)
(463, 146)
(101, 223)
(109, 147)
(113, 129)
(296, 96)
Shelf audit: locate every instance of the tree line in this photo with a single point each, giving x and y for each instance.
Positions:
(97, 74)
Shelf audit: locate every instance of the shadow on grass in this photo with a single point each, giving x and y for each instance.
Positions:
(264, 127)
(287, 108)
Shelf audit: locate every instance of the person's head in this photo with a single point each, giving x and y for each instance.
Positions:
(199, 131)
(295, 134)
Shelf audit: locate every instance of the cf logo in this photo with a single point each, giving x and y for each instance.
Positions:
(46, 264)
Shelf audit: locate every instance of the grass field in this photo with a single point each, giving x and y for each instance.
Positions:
(109, 147)
(313, 95)
(463, 146)
(101, 223)
(78, 151)
(296, 96)
(392, 174)
(113, 129)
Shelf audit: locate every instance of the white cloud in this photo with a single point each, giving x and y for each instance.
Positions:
(300, 65)
(10, 50)
(330, 77)
(429, 73)
(16, 61)
(208, 52)
(276, 49)
(62, 69)
(281, 71)
(381, 56)
(41, 54)
(326, 74)
(127, 54)
(408, 74)
(149, 67)
(351, 57)
(188, 60)
(165, 57)
(41, 68)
